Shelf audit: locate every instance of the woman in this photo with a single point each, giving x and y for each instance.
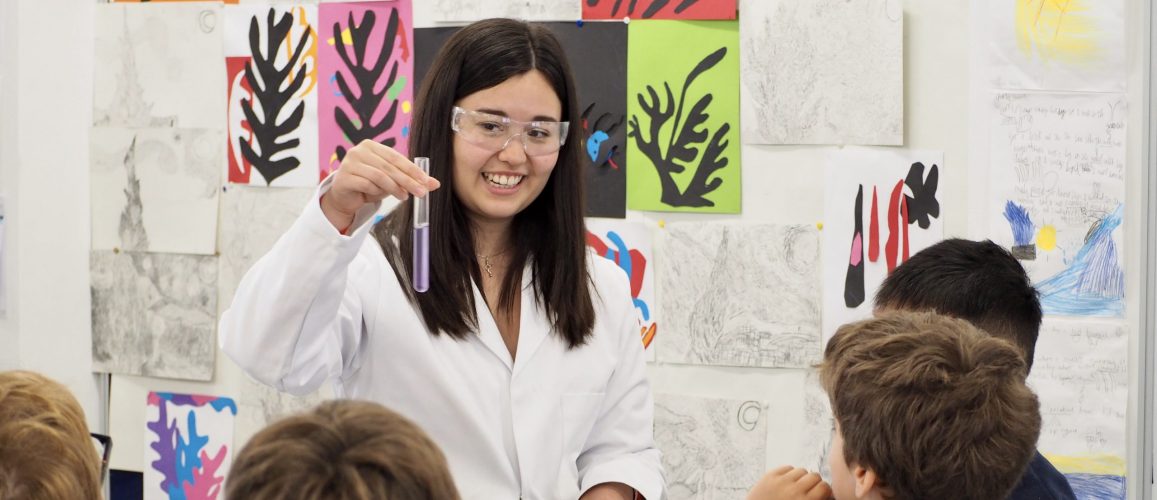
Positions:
(523, 360)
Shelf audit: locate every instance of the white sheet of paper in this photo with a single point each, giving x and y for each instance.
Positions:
(1053, 45)
(238, 20)
(154, 314)
(474, 10)
(631, 236)
(1061, 158)
(804, 84)
(712, 448)
(878, 171)
(158, 66)
(1080, 373)
(189, 445)
(740, 294)
(155, 189)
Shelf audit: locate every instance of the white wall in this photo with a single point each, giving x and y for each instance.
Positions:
(47, 109)
(9, 338)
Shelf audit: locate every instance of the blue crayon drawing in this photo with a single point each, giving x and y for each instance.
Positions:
(1022, 227)
(1093, 284)
(1097, 486)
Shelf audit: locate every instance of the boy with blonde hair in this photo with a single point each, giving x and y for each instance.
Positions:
(46, 452)
(341, 450)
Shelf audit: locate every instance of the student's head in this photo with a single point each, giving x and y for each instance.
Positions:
(927, 406)
(341, 450)
(977, 281)
(46, 452)
(528, 177)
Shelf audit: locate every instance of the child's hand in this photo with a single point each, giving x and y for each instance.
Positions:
(790, 483)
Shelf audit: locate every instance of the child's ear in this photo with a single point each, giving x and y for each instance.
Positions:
(869, 485)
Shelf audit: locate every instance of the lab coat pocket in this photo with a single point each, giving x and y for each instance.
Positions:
(579, 413)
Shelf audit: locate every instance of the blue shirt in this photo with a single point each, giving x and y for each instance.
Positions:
(1042, 481)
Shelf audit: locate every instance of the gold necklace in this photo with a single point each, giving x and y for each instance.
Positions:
(486, 264)
(488, 267)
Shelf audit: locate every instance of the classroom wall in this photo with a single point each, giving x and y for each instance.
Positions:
(781, 184)
(44, 179)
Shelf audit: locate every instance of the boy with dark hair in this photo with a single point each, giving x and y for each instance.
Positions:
(926, 406)
(982, 283)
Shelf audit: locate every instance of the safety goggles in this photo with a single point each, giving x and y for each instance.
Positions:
(494, 132)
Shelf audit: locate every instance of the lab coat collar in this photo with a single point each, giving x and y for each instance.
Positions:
(533, 327)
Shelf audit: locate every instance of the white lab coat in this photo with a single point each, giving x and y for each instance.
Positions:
(321, 307)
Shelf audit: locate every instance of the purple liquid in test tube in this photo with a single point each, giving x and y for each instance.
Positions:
(421, 271)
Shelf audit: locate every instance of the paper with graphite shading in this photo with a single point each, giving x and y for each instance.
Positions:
(683, 116)
(154, 314)
(712, 448)
(158, 66)
(803, 84)
(155, 189)
(476, 10)
(252, 220)
(740, 294)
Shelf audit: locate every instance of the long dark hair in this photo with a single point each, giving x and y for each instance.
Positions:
(549, 233)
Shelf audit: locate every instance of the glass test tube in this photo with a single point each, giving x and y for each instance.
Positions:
(421, 243)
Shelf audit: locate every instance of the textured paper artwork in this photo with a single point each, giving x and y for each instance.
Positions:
(154, 314)
(272, 80)
(880, 207)
(629, 246)
(252, 219)
(740, 295)
(815, 438)
(802, 84)
(366, 71)
(1057, 44)
(1057, 193)
(474, 10)
(155, 189)
(712, 448)
(682, 116)
(190, 446)
(160, 66)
